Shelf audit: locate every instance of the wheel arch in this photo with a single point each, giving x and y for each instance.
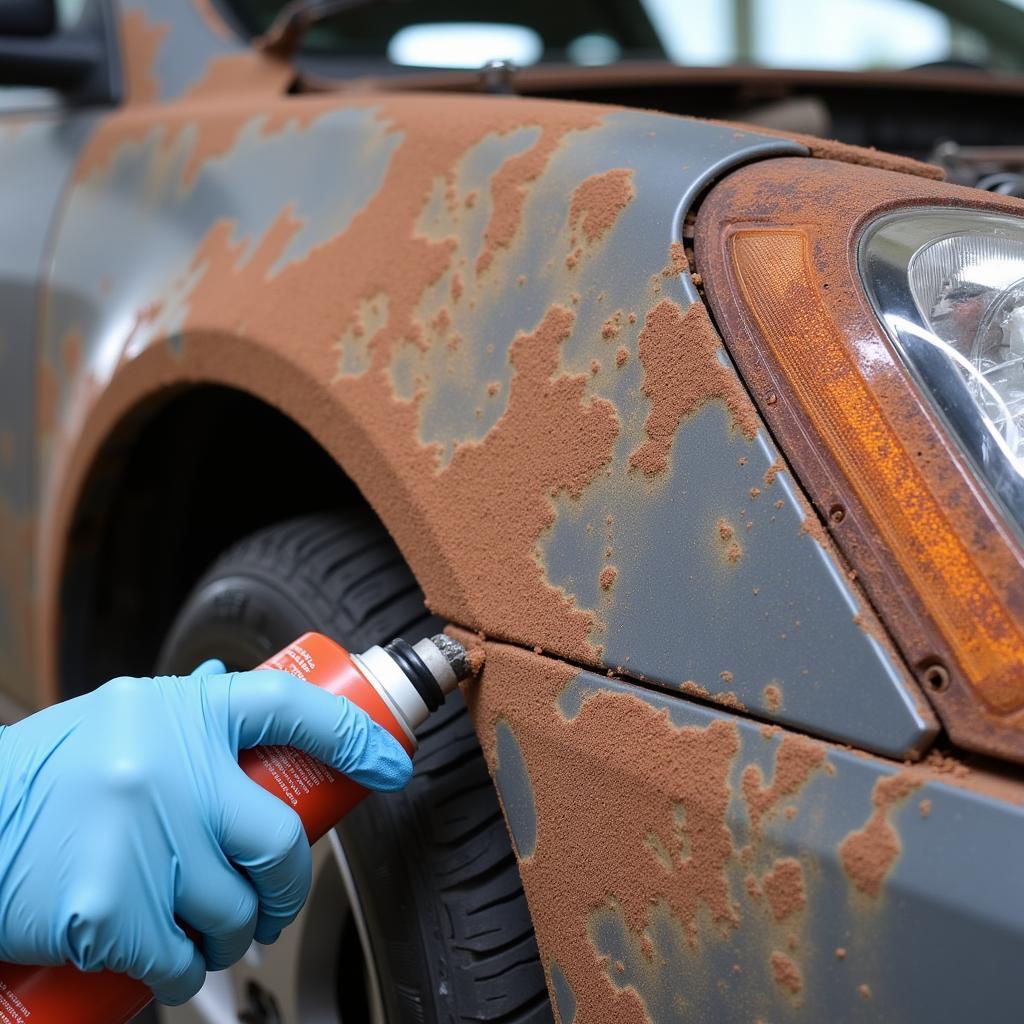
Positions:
(174, 462)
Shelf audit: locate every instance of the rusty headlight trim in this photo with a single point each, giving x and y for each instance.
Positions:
(776, 245)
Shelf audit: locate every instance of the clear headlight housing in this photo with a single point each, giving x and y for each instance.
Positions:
(949, 287)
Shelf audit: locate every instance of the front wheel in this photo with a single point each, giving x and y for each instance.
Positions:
(417, 912)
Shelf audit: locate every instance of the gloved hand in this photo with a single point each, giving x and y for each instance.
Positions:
(125, 808)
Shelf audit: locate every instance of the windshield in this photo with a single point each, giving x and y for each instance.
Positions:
(842, 35)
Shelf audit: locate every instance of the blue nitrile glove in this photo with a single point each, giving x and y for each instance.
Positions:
(125, 808)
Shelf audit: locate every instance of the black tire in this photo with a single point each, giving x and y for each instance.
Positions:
(448, 922)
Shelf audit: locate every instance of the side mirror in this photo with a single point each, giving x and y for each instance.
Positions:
(28, 17)
(80, 61)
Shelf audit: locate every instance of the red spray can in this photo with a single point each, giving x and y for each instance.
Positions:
(397, 685)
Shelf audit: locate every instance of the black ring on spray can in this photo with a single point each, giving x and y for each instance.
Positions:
(403, 654)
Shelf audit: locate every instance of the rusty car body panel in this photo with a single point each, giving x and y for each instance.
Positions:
(482, 309)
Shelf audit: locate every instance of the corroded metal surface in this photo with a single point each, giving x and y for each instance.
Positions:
(689, 864)
(465, 296)
(933, 551)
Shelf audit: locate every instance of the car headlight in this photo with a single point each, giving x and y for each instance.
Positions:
(949, 287)
(878, 320)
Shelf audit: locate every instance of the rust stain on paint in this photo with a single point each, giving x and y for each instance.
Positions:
(679, 354)
(242, 327)
(141, 40)
(608, 576)
(796, 759)
(597, 203)
(868, 854)
(672, 846)
(509, 185)
(243, 74)
(784, 887)
(611, 327)
(786, 973)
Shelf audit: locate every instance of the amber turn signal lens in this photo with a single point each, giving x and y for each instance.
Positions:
(782, 292)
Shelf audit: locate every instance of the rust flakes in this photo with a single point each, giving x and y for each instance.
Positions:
(509, 185)
(773, 697)
(869, 853)
(786, 973)
(598, 201)
(611, 327)
(753, 887)
(796, 759)
(608, 576)
(678, 261)
(141, 40)
(584, 771)
(728, 545)
(724, 698)
(772, 472)
(784, 888)
(621, 355)
(679, 354)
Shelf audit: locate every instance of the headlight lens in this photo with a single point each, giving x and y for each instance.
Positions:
(949, 287)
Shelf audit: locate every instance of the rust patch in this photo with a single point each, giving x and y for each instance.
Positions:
(772, 697)
(679, 354)
(869, 854)
(240, 74)
(926, 808)
(796, 759)
(786, 973)
(508, 186)
(141, 40)
(678, 261)
(725, 698)
(784, 887)
(672, 846)
(621, 355)
(245, 330)
(598, 201)
(608, 576)
(611, 327)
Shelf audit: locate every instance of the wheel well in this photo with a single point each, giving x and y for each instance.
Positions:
(182, 478)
